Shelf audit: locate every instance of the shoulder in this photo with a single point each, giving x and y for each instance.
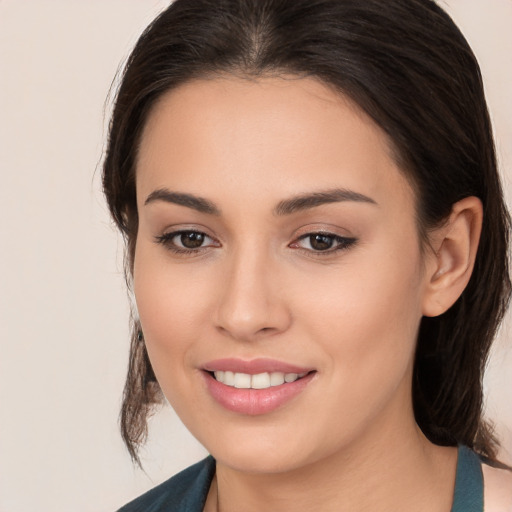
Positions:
(185, 491)
(497, 489)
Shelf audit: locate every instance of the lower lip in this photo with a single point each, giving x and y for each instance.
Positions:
(255, 401)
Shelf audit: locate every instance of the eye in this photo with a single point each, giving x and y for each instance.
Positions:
(186, 241)
(323, 242)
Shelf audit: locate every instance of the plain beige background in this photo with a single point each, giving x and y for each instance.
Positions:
(63, 308)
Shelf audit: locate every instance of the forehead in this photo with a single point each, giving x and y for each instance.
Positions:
(278, 135)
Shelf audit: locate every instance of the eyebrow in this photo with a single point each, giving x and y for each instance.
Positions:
(306, 201)
(285, 207)
(190, 201)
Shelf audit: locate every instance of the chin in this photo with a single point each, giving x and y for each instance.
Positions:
(257, 461)
(266, 451)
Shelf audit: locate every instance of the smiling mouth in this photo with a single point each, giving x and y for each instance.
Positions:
(255, 387)
(258, 381)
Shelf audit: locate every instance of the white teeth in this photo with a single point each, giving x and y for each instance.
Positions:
(276, 378)
(259, 381)
(242, 380)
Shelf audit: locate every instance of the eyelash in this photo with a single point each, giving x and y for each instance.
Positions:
(167, 241)
(343, 243)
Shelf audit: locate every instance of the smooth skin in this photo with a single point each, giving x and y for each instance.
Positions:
(257, 285)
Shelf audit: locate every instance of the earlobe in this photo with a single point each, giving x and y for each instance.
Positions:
(450, 266)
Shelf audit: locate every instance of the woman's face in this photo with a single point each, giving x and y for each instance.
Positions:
(277, 241)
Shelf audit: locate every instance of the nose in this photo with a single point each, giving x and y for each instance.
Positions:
(252, 300)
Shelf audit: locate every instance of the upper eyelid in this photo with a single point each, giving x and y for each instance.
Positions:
(321, 232)
(170, 231)
(327, 228)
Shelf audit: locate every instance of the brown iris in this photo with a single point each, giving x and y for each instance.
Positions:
(321, 242)
(192, 240)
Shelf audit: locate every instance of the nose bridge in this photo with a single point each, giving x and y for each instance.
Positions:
(250, 302)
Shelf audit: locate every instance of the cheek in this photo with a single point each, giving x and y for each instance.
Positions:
(368, 315)
(170, 311)
(366, 325)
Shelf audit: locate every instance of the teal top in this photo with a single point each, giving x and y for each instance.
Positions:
(187, 491)
(469, 483)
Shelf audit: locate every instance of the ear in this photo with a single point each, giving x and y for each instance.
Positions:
(449, 266)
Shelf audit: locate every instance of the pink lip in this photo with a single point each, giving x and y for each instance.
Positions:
(254, 401)
(254, 366)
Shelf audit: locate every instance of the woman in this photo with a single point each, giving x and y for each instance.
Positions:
(317, 244)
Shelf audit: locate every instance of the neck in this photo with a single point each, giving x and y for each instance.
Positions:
(388, 469)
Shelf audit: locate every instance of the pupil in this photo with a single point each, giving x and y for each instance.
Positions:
(192, 240)
(321, 242)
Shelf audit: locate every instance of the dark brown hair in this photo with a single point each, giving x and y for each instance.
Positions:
(407, 65)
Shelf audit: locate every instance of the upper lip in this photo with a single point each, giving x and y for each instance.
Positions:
(253, 366)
